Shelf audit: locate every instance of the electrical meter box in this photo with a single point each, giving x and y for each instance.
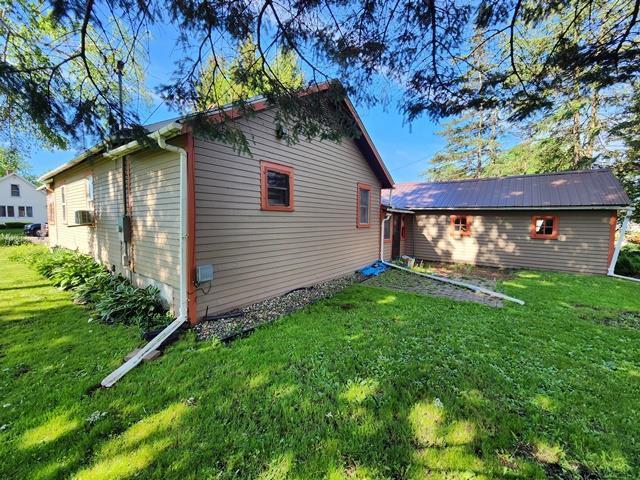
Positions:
(124, 228)
(204, 274)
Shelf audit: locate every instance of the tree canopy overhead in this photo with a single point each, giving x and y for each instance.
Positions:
(63, 77)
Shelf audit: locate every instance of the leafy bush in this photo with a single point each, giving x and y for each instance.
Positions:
(633, 237)
(91, 291)
(629, 260)
(10, 240)
(124, 303)
(67, 269)
(111, 297)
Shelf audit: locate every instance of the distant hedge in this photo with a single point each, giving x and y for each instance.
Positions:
(13, 225)
(629, 260)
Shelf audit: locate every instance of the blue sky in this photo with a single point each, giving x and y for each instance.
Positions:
(406, 149)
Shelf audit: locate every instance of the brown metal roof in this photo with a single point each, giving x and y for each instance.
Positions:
(585, 188)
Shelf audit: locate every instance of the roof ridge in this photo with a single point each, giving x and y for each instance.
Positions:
(527, 175)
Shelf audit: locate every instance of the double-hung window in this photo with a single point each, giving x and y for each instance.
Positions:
(276, 187)
(363, 201)
(51, 208)
(387, 229)
(21, 211)
(63, 204)
(89, 191)
(29, 211)
(15, 190)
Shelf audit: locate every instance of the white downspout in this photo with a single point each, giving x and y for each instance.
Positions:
(386, 218)
(184, 270)
(121, 371)
(616, 253)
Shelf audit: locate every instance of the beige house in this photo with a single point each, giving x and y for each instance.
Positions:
(253, 226)
(562, 221)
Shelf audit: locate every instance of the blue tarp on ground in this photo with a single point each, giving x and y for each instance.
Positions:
(374, 270)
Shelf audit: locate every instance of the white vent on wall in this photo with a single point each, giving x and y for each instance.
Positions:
(84, 217)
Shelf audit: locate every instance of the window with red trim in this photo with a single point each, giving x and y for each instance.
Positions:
(461, 225)
(544, 227)
(363, 205)
(403, 227)
(387, 229)
(51, 209)
(276, 187)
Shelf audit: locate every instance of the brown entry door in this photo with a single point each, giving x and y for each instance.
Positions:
(395, 244)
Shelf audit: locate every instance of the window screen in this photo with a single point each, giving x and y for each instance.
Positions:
(364, 206)
(278, 188)
(29, 211)
(11, 211)
(15, 190)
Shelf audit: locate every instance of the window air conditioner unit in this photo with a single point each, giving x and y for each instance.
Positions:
(84, 217)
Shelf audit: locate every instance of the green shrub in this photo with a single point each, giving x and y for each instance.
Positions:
(10, 240)
(633, 237)
(112, 297)
(66, 269)
(96, 287)
(629, 260)
(15, 224)
(124, 303)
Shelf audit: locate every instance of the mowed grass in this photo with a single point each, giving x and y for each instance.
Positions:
(368, 384)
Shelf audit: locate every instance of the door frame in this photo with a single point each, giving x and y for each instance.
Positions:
(395, 236)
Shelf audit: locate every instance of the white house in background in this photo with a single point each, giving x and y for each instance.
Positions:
(21, 201)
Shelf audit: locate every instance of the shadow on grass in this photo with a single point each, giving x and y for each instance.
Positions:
(395, 386)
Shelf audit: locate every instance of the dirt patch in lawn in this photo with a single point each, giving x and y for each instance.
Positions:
(241, 322)
(608, 316)
(462, 271)
(408, 282)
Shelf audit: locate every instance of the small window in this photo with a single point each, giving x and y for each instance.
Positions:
(21, 211)
(363, 205)
(387, 229)
(3, 211)
(276, 187)
(403, 227)
(89, 190)
(11, 211)
(30, 212)
(63, 204)
(461, 225)
(544, 227)
(51, 209)
(15, 190)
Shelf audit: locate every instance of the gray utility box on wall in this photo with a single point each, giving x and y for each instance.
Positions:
(204, 274)
(124, 228)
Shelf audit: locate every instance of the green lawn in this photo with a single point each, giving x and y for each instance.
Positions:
(368, 384)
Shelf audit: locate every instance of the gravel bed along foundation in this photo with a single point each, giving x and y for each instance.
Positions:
(246, 319)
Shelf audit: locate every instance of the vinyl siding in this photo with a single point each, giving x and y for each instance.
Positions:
(64, 233)
(259, 254)
(406, 245)
(501, 239)
(155, 210)
(153, 198)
